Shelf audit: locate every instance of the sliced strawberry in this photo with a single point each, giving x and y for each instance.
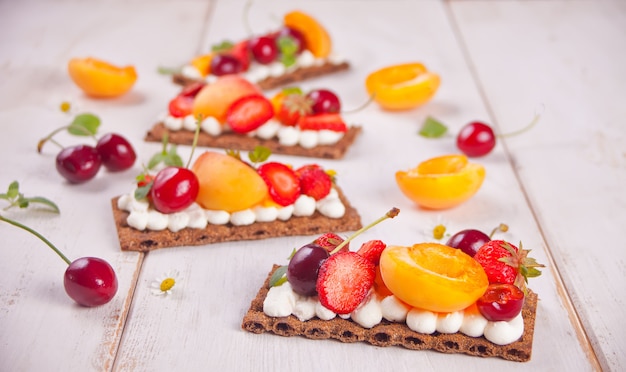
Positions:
(241, 51)
(314, 182)
(248, 113)
(192, 89)
(282, 183)
(181, 106)
(330, 241)
(344, 280)
(292, 108)
(372, 250)
(327, 121)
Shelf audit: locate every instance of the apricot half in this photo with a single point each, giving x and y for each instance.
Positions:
(441, 182)
(215, 98)
(433, 277)
(101, 79)
(403, 86)
(227, 184)
(315, 35)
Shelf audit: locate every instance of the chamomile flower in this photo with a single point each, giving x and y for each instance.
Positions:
(164, 284)
(437, 230)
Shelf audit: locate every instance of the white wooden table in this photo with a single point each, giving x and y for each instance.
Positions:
(560, 187)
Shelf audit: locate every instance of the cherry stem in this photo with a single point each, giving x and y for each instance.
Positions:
(49, 136)
(246, 18)
(195, 141)
(24, 227)
(364, 105)
(522, 130)
(501, 227)
(391, 214)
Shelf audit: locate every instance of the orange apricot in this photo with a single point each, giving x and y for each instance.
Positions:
(101, 79)
(316, 37)
(441, 182)
(203, 64)
(227, 183)
(402, 87)
(215, 98)
(433, 277)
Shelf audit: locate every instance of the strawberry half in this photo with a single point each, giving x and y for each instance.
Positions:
(282, 182)
(314, 182)
(505, 263)
(181, 106)
(192, 89)
(344, 280)
(330, 241)
(372, 250)
(326, 121)
(248, 113)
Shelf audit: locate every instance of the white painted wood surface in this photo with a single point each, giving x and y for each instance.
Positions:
(559, 187)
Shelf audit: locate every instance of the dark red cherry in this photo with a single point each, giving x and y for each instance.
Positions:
(469, 241)
(324, 101)
(174, 189)
(476, 139)
(303, 268)
(264, 49)
(90, 281)
(78, 163)
(225, 64)
(116, 152)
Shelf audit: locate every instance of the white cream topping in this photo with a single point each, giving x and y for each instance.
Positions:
(142, 216)
(284, 301)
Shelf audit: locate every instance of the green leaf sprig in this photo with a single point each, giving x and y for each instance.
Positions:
(17, 199)
(279, 275)
(288, 49)
(168, 156)
(84, 125)
(432, 128)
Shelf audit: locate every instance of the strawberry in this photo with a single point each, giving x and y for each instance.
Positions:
(344, 281)
(372, 250)
(314, 182)
(248, 113)
(330, 241)
(192, 89)
(505, 263)
(241, 51)
(282, 182)
(292, 108)
(327, 121)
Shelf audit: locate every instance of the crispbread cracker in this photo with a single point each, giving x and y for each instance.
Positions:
(246, 143)
(295, 76)
(135, 240)
(389, 334)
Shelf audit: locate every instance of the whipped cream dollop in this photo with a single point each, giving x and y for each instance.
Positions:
(283, 301)
(142, 216)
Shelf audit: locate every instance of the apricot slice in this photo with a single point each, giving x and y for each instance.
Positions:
(433, 276)
(316, 37)
(215, 98)
(402, 87)
(203, 64)
(441, 182)
(101, 79)
(227, 184)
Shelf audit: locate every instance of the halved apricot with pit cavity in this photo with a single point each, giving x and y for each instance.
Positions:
(101, 79)
(402, 87)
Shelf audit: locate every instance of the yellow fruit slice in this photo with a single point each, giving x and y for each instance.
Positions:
(441, 182)
(433, 276)
(315, 35)
(402, 87)
(101, 79)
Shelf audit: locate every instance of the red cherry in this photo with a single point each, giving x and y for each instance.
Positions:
(501, 302)
(324, 101)
(264, 49)
(78, 163)
(469, 241)
(225, 64)
(174, 189)
(90, 281)
(476, 139)
(116, 152)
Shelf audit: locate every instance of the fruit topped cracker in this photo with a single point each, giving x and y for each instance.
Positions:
(298, 50)
(428, 296)
(234, 114)
(222, 197)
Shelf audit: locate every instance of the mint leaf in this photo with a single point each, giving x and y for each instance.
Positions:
(13, 190)
(41, 200)
(278, 277)
(142, 192)
(288, 49)
(168, 70)
(17, 199)
(84, 125)
(224, 46)
(292, 90)
(432, 128)
(259, 154)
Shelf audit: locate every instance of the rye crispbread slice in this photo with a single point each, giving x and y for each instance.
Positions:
(246, 143)
(391, 334)
(135, 240)
(273, 82)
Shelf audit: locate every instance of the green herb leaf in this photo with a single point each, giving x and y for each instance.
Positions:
(84, 125)
(431, 128)
(42, 200)
(142, 192)
(172, 158)
(155, 160)
(288, 49)
(14, 190)
(17, 199)
(259, 154)
(278, 277)
(224, 46)
(168, 70)
(292, 90)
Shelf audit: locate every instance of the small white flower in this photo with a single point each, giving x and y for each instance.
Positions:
(164, 284)
(437, 230)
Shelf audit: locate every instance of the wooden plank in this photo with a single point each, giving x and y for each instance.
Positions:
(568, 58)
(198, 328)
(42, 328)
